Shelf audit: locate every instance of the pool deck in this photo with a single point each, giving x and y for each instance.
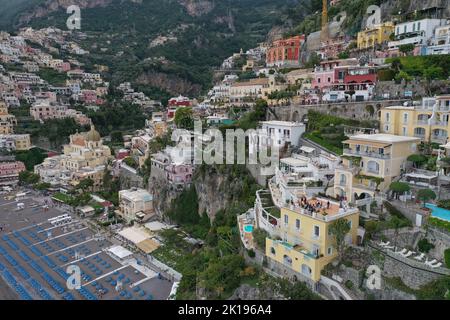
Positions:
(246, 237)
(438, 212)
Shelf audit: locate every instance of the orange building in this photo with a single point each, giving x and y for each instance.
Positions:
(285, 52)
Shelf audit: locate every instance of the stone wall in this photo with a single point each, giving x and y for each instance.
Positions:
(413, 274)
(397, 90)
(441, 241)
(353, 110)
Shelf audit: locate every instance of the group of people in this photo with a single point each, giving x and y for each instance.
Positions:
(313, 206)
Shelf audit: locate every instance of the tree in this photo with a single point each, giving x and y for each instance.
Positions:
(418, 160)
(184, 118)
(260, 235)
(432, 73)
(399, 188)
(27, 177)
(406, 48)
(396, 223)
(396, 65)
(339, 229)
(402, 75)
(116, 137)
(85, 184)
(222, 274)
(425, 195)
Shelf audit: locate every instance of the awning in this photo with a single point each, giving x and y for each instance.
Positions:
(368, 143)
(148, 245)
(120, 252)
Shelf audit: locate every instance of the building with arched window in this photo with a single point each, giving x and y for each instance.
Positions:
(370, 164)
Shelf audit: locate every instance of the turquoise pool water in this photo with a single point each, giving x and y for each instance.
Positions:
(437, 212)
(248, 228)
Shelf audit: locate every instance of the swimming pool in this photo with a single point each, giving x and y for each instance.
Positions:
(248, 228)
(437, 212)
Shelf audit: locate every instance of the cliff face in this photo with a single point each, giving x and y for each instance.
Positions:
(196, 8)
(50, 6)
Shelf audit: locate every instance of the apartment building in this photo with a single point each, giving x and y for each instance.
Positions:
(13, 142)
(300, 239)
(427, 120)
(378, 35)
(9, 172)
(417, 33)
(285, 52)
(281, 133)
(370, 164)
(7, 121)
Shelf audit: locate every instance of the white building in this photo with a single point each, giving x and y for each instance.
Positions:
(441, 41)
(415, 32)
(283, 132)
(135, 204)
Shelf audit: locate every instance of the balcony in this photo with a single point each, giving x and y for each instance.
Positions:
(367, 154)
(439, 139)
(421, 123)
(440, 123)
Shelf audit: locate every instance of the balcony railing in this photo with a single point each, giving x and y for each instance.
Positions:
(367, 154)
(421, 123)
(441, 123)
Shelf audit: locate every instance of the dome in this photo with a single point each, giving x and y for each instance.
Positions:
(93, 135)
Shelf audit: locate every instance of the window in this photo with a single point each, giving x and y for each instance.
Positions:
(272, 250)
(405, 118)
(388, 117)
(330, 251)
(316, 231)
(286, 219)
(404, 131)
(297, 224)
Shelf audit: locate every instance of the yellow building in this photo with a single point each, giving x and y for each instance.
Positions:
(370, 163)
(22, 141)
(378, 35)
(307, 245)
(428, 121)
(7, 121)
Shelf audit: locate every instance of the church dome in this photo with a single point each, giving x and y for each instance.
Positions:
(93, 134)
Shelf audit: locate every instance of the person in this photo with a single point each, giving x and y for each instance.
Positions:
(328, 204)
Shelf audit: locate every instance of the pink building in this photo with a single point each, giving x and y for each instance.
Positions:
(9, 172)
(179, 175)
(63, 67)
(89, 96)
(323, 79)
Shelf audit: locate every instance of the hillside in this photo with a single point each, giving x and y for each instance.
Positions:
(166, 47)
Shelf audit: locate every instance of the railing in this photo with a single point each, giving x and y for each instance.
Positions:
(421, 123)
(367, 154)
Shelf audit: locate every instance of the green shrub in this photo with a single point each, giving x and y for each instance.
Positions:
(447, 257)
(349, 284)
(251, 253)
(439, 223)
(424, 245)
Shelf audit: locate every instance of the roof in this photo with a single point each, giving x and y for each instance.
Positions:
(134, 234)
(252, 82)
(294, 162)
(120, 252)
(148, 245)
(282, 123)
(380, 137)
(157, 226)
(137, 195)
